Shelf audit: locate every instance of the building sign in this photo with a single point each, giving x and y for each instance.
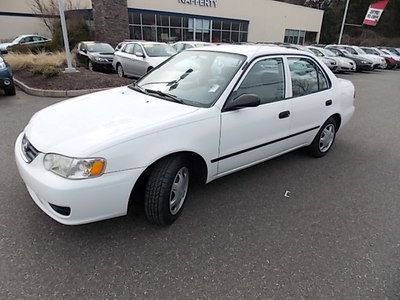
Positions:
(203, 3)
(375, 12)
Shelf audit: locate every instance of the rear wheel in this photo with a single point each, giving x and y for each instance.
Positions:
(120, 71)
(166, 190)
(10, 90)
(324, 140)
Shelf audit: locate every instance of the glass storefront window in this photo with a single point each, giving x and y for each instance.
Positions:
(163, 20)
(173, 28)
(148, 19)
(149, 33)
(175, 21)
(226, 25)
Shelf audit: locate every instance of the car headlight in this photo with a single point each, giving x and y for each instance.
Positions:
(364, 62)
(74, 168)
(100, 59)
(2, 65)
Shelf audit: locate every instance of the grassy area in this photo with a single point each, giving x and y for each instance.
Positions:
(24, 61)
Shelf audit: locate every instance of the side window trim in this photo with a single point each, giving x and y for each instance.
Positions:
(249, 68)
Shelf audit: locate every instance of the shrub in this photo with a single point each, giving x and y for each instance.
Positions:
(27, 61)
(47, 71)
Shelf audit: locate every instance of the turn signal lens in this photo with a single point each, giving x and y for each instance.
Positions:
(97, 168)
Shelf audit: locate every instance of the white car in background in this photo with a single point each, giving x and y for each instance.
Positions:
(343, 64)
(180, 46)
(30, 39)
(138, 58)
(379, 62)
(203, 114)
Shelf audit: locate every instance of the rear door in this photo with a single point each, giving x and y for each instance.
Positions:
(312, 101)
(253, 134)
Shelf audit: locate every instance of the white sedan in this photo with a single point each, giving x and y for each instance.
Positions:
(201, 115)
(343, 64)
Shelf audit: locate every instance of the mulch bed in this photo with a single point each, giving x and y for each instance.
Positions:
(82, 80)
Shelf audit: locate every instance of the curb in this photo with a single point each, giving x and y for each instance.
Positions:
(53, 93)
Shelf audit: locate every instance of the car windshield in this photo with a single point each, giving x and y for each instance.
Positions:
(345, 52)
(197, 78)
(317, 52)
(100, 47)
(351, 50)
(200, 45)
(359, 50)
(330, 53)
(159, 50)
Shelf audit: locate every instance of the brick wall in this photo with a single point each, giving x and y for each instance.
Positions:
(111, 22)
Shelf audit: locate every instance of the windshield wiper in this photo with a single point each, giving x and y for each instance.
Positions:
(167, 96)
(134, 86)
(174, 83)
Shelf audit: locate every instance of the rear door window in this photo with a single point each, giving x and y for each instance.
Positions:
(307, 77)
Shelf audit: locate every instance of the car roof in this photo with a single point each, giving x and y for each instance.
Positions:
(250, 50)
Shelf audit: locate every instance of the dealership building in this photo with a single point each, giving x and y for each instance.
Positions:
(218, 21)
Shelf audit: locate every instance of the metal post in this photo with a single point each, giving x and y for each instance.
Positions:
(343, 22)
(70, 68)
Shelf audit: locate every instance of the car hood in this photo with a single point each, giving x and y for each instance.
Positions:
(91, 123)
(374, 58)
(102, 55)
(343, 60)
(4, 46)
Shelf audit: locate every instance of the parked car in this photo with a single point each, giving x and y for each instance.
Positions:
(180, 46)
(392, 55)
(362, 64)
(331, 63)
(29, 41)
(95, 56)
(395, 51)
(6, 78)
(379, 62)
(203, 114)
(137, 58)
(390, 61)
(343, 64)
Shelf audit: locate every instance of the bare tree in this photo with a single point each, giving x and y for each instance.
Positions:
(48, 11)
(319, 4)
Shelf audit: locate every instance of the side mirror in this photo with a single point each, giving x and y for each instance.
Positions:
(242, 101)
(84, 50)
(139, 54)
(3, 52)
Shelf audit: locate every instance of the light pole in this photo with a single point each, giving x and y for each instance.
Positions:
(69, 68)
(343, 22)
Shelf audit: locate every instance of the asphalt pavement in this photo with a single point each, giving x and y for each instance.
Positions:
(337, 235)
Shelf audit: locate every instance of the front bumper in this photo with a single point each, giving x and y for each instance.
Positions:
(346, 67)
(106, 66)
(87, 200)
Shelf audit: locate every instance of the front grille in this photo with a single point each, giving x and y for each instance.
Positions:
(28, 150)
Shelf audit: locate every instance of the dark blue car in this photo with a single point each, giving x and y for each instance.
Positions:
(6, 78)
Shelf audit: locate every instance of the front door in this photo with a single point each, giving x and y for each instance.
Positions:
(253, 134)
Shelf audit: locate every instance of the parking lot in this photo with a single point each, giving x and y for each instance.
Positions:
(336, 235)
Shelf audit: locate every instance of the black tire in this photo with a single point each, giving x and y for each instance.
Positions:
(10, 91)
(159, 190)
(119, 67)
(315, 148)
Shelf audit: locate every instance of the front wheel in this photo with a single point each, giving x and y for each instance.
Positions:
(120, 71)
(166, 191)
(324, 140)
(90, 66)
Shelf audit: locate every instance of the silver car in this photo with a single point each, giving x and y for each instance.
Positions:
(137, 58)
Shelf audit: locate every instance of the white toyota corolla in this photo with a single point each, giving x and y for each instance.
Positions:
(202, 114)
